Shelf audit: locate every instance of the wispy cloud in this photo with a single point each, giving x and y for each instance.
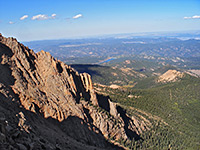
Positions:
(193, 17)
(24, 17)
(10, 22)
(77, 16)
(43, 17)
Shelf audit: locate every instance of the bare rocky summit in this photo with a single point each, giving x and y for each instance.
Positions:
(170, 76)
(46, 104)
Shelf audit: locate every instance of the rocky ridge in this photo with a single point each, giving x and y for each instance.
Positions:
(170, 76)
(49, 103)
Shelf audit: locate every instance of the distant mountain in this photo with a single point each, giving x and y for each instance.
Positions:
(160, 46)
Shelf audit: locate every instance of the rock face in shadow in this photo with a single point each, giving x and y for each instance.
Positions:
(50, 101)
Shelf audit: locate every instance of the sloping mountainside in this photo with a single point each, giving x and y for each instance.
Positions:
(45, 104)
(109, 75)
(176, 103)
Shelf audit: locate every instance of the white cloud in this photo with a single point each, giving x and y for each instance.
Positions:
(77, 16)
(187, 17)
(196, 17)
(24, 17)
(43, 17)
(193, 17)
(40, 17)
(53, 16)
(10, 22)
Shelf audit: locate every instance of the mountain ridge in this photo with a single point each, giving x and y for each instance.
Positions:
(47, 87)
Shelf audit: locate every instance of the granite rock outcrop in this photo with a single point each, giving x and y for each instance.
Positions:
(170, 76)
(50, 99)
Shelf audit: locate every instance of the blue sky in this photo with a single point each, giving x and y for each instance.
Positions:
(55, 19)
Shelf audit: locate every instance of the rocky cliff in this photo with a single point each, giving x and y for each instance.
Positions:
(53, 107)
